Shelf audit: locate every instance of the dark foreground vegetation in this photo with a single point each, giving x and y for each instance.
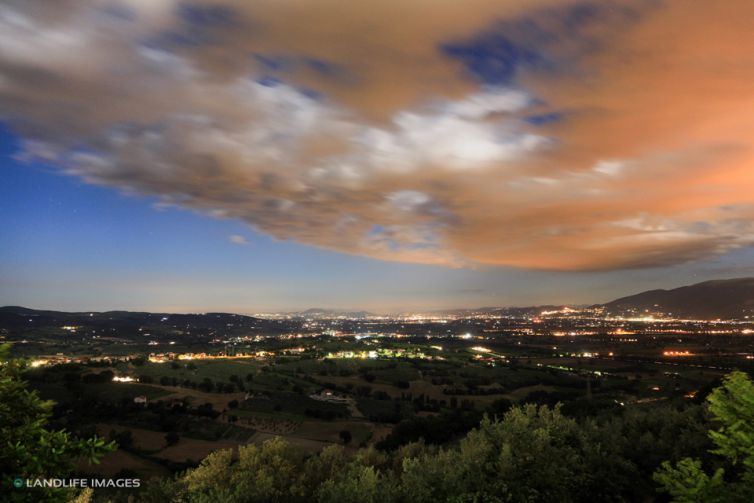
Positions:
(685, 452)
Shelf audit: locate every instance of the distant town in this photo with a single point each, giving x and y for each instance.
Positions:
(169, 389)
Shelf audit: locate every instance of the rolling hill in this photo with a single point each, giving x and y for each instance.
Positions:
(725, 299)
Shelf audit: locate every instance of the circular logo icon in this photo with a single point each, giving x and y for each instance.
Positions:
(18, 483)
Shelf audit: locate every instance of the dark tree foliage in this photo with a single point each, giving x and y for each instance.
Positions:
(435, 430)
(732, 406)
(28, 449)
(529, 453)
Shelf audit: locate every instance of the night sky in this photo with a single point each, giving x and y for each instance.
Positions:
(390, 156)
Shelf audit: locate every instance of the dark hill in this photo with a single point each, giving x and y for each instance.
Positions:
(21, 321)
(725, 299)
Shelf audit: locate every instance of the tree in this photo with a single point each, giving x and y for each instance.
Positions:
(732, 406)
(207, 385)
(28, 450)
(361, 484)
(531, 454)
(140, 360)
(271, 472)
(641, 439)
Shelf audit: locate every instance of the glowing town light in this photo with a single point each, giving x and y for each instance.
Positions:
(466, 336)
(481, 349)
(123, 379)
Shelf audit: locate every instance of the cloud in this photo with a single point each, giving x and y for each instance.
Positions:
(238, 239)
(550, 135)
(407, 200)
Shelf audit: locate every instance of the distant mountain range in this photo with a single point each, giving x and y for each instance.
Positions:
(20, 319)
(500, 311)
(318, 312)
(725, 299)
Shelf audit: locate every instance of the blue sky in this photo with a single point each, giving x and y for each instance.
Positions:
(195, 156)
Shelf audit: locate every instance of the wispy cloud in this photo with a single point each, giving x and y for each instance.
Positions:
(238, 239)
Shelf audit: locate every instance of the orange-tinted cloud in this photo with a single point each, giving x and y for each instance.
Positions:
(546, 135)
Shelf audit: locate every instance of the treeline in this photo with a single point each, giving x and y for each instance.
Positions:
(207, 385)
(532, 453)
